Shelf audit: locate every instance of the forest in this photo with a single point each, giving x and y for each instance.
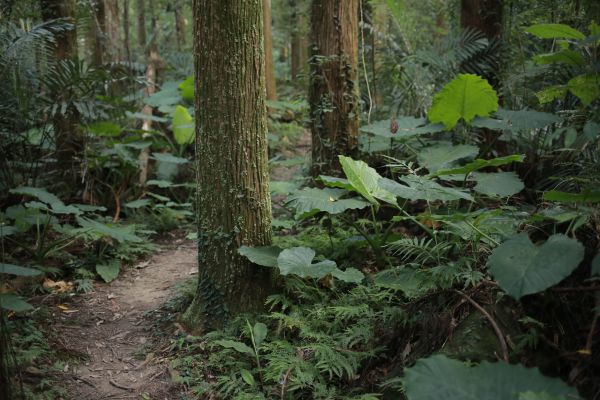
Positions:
(300, 199)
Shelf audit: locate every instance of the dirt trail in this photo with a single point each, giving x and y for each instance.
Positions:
(111, 328)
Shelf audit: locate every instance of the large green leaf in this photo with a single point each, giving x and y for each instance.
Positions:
(466, 96)
(522, 268)
(12, 269)
(586, 87)
(260, 333)
(121, 234)
(187, 88)
(39, 193)
(263, 255)
(350, 275)
(419, 188)
(405, 127)
(109, 271)
(298, 261)
(237, 346)
(12, 302)
(521, 120)
(568, 57)
(480, 163)
(105, 129)
(564, 197)
(169, 158)
(183, 126)
(439, 377)
(365, 181)
(309, 201)
(555, 31)
(498, 184)
(443, 156)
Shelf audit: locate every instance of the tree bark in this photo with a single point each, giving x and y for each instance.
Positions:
(141, 24)
(268, 43)
(299, 40)
(333, 91)
(233, 202)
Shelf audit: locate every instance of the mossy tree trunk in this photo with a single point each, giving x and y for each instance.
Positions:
(68, 137)
(333, 91)
(233, 204)
(484, 15)
(97, 32)
(268, 43)
(113, 29)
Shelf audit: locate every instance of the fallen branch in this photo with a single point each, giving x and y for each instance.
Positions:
(492, 322)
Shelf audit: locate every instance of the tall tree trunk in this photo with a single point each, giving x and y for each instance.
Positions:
(483, 15)
(66, 41)
(233, 206)
(69, 140)
(113, 36)
(141, 24)
(333, 91)
(98, 29)
(268, 43)
(126, 30)
(179, 25)
(299, 40)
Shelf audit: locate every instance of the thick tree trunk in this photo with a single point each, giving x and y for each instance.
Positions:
(179, 25)
(299, 40)
(68, 137)
(333, 92)
(483, 15)
(268, 43)
(113, 36)
(233, 206)
(141, 23)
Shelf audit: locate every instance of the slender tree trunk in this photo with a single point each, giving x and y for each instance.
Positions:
(299, 40)
(179, 25)
(233, 207)
(126, 30)
(268, 43)
(333, 92)
(153, 66)
(69, 139)
(141, 24)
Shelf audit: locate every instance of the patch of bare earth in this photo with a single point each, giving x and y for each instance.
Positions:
(111, 329)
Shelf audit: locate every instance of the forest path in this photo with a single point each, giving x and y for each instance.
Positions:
(112, 328)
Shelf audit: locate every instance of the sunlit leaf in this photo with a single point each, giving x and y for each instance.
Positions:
(183, 126)
(555, 31)
(464, 97)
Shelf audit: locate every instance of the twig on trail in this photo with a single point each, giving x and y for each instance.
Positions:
(80, 379)
(119, 386)
(492, 322)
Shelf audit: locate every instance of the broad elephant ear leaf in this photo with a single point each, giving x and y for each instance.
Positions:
(522, 268)
(298, 261)
(466, 97)
(309, 201)
(439, 377)
(265, 256)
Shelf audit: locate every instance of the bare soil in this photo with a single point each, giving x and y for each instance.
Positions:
(111, 328)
